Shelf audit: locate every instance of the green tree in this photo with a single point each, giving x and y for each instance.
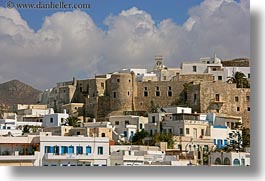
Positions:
(153, 107)
(246, 137)
(138, 138)
(240, 80)
(72, 121)
(26, 129)
(164, 137)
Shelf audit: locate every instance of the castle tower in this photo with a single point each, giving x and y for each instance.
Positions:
(121, 89)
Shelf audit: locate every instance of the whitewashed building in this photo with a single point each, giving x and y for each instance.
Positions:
(55, 119)
(74, 151)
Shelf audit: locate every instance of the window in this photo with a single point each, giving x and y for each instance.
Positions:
(117, 122)
(153, 119)
(141, 126)
(88, 150)
(103, 135)
(71, 149)
(157, 88)
(220, 78)
(187, 131)
(100, 150)
(128, 93)
(179, 146)
(132, 134)
(165, 77)
(145, 93)
(217, 97)
(181, 131)
(129, 80)
(125, 133)
(236, 99)
(248, 98)
(81, 89)
(202, 132)
(169, 93)
(157, 93)
(118, 80)
(79, 150)
(47, 149)
(51, 120)
(145, 88)
(64, 149)
(248, 108)
(194, 68)
(249, 76)
(56, 150)
(169, 88)
(214, 69)
(238, 108)
(78, 133)
(195, 98)
(170, 131)
(114, 94)
(102, 85)
(126, 122)
(62, 119)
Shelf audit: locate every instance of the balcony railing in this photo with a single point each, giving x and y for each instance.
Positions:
(73, 156)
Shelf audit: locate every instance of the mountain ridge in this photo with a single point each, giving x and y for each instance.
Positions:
(17, 92)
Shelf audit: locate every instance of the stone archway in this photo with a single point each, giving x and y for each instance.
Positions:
(217, 161)
(227, 161)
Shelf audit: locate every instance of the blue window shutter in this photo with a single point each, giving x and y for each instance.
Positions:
(88, 150)
(62, 150)
(219, 143)
(225, 142)
(51, 149)
(214, 141)
(71, 149)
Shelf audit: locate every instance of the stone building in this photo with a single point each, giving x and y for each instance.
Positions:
(128, 91)
(220, 97)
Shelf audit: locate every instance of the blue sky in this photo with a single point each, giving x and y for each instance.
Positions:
(177, 10)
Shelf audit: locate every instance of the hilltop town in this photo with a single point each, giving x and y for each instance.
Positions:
(194, 115)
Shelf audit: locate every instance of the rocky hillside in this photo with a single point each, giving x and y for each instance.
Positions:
(16, 92)
(239, 62)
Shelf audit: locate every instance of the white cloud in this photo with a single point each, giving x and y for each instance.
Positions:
(70, 44)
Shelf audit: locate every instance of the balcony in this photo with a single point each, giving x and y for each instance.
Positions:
(73, 156)
(17, 157)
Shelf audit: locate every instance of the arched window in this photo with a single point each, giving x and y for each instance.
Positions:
(236, 162)
(226, 161)
(217, 161)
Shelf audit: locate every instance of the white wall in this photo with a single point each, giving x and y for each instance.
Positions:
(51, 120)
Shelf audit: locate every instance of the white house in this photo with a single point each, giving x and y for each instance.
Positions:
(230, 158)
(126, 126)
(8, 126)
(55, 119)
(74, 151)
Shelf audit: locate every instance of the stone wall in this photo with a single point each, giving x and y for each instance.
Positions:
(221, 97)
(162, 93)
